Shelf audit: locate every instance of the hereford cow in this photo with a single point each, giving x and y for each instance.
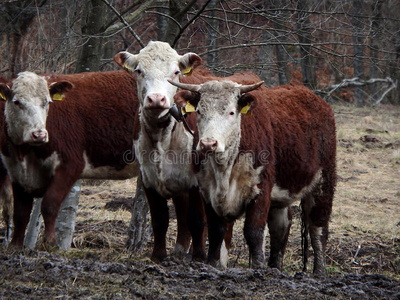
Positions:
(61, 127)
(164, 146)
(284, 151)
(5, 186)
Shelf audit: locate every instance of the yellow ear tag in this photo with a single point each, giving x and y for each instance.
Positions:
(245, 110)
(127, 67)
(189, 108)
(3, 97)
(58, 97)
(188, 71)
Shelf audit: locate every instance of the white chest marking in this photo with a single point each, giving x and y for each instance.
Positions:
(32, 173)
(284, 198)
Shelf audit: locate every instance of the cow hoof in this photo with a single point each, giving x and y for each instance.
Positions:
(48, 247)
(199, 257)
(158, 258)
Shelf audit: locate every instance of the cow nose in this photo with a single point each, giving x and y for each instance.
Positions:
(208, 145)
(39, 136)
(156, 101)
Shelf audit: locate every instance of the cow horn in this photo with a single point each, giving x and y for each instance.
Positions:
(248, 88)
(185, 86)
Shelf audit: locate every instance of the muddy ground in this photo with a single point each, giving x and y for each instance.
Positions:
(363, 255)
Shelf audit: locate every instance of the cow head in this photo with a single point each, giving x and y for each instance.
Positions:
(219, 105)
(152, 66)
(27, 106)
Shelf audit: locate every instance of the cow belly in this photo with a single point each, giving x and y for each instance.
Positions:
(31, 173)
(168, 179)
(107, 172)
(283, 198)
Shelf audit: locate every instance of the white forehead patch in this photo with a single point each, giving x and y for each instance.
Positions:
(29, 84)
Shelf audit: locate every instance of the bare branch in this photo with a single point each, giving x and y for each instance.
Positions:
(129, 19)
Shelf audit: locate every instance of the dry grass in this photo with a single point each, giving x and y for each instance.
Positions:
(365, 223)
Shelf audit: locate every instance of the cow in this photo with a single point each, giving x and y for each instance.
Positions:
(281, 151)
(59, 128)
(164, 145)
(5, 187)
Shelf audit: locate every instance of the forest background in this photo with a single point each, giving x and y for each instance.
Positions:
(347, 50)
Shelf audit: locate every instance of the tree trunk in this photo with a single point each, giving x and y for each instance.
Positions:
(374, 38)
(140, 227)
(65, 223)
(212, 36)
(34, 225)
(95, 16)
(305, 38)
(358, 49)
(266, 56)
(15, 21)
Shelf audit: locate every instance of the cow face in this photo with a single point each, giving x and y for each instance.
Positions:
(219, 105)
(27, 106)
(154, 64)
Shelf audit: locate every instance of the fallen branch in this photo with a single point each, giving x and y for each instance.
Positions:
(357, 82)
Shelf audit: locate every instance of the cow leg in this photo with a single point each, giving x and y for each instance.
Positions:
(55, 194)
(182, 244)
(197, 224)
(228, 235)
(7, 203)
(317, 209)
(279, 223)
(159, 221)
(217, 251)
(318, 235)
(254, 230)
(22, 209)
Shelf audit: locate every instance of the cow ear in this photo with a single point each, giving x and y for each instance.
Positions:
(246, 103)
(57, 89)
(126, 60)
(188, 62)
(5, 92)
(188, 100)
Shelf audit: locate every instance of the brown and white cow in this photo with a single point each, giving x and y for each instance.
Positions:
(163, 147)
(61, 127)
(261, 163)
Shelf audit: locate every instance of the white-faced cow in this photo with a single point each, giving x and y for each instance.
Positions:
(164, 146)
(261, 163)
(61, 127)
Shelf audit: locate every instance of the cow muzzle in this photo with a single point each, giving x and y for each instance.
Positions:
(208, 145)
(156, 101)
(39, 136)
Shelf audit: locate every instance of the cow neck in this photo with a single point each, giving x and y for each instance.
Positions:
(224, 168)
(157, 131)
(20, 151)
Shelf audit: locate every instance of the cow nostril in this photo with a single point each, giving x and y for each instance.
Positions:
(39, 135)
(208, 145)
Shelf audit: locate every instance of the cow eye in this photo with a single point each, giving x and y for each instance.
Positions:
(17, 103)
(232, 113)
(177, 72)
